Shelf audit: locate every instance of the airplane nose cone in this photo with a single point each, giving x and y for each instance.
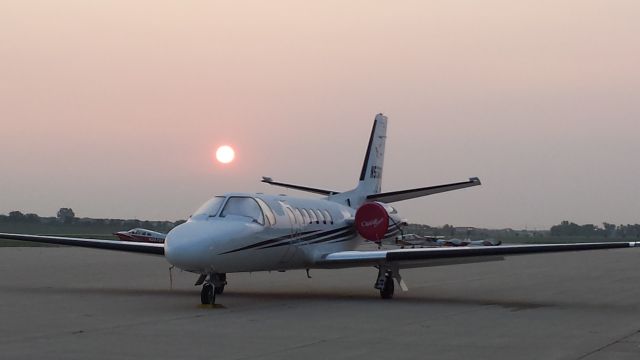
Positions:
(194, 245)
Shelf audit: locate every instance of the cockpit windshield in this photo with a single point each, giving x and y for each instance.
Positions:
(210, 208)
(245, 207)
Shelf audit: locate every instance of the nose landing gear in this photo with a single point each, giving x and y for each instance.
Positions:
(211, 286)
(207, 295)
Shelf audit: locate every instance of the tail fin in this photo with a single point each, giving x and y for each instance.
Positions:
(371, 175)
(369, 186)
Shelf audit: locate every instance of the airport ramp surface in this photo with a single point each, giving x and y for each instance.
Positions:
(77, 303)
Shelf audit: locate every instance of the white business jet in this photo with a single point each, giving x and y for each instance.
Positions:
(242, 232)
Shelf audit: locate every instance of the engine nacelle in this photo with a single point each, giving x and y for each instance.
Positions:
(373, 221)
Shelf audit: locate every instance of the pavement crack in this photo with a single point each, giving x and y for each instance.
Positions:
(608, 345)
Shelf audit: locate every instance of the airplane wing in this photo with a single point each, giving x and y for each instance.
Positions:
(129, 246)
(410, 258)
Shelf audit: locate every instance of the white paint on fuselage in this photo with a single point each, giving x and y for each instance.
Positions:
(233, 244)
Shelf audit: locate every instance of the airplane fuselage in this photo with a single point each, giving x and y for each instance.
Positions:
(293, 233)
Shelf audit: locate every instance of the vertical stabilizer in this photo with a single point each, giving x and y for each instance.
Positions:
(371, 174)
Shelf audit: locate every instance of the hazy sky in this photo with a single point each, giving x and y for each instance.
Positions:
(114, 108)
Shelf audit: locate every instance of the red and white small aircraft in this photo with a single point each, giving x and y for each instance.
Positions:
(433, 241)
(243, 232)
(141, 235)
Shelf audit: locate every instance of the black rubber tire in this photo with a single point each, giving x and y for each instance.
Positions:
(387, 290)
(218, 290)
(207, 295)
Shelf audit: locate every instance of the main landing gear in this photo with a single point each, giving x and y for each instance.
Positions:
(384, 282)
(207, 295)
(212, 285)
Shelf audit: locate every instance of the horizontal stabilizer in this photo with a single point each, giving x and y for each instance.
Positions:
(389, 197)
(270, 181)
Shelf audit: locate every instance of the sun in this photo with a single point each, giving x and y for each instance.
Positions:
(225, 154)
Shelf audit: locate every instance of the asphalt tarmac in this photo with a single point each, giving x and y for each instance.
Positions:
(70, 303)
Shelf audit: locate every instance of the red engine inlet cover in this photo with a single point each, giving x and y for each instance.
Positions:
(372, 221)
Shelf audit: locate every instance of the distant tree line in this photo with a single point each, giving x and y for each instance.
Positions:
(67, 218)
(564, 230)
(64, 215)
(607, 230)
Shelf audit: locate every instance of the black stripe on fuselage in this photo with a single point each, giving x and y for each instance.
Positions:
(268, 242)
(348, 236)
(309, 238)
(287, 240)
(348, 231)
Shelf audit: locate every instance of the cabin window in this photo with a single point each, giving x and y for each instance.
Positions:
(305, 216)
(298, 215)
(327, 216)
(313, 217)
(290, 214)
(268, 213)
(245, 207)
(211, 207)
(320, 217)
